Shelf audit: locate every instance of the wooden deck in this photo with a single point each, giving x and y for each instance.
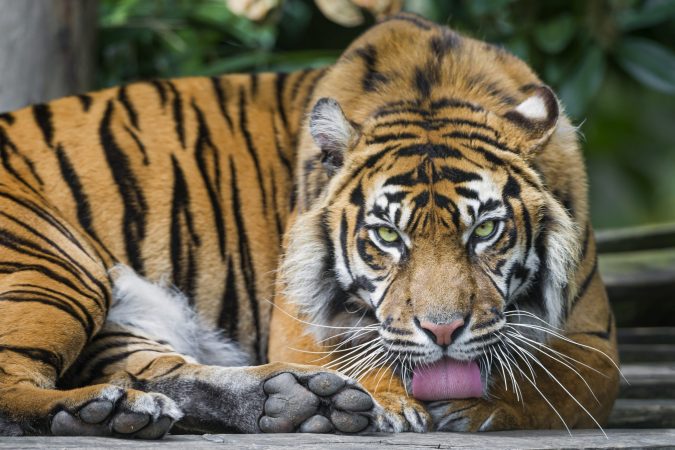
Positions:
(624, 438)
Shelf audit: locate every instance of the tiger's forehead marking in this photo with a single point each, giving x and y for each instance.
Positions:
(452, 197)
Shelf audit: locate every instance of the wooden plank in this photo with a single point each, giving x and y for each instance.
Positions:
(637, 238)
(646, 335)
(641, 276)
(540, 439)
(643, 353)
(648, 381)
(640, 413)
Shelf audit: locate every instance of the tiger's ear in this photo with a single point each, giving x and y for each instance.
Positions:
(332, 132)
(536, 117)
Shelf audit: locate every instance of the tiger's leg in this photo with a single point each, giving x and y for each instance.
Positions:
(163, 355)
(54, 295)
(395, 410)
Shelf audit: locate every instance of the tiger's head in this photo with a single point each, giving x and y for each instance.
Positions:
(430, 171)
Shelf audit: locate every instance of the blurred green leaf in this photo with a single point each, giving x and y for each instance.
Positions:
(652, 12)
(583, 82)
(648, 62)
(553, 36)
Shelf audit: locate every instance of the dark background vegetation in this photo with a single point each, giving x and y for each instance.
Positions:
(611, 61)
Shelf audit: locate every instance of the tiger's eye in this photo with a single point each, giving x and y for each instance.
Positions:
(485, 229)
(387, 234)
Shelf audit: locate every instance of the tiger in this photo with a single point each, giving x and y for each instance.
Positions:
(387, 244)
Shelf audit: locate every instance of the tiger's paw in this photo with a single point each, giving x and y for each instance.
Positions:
(118, 413)
(398, 413)
(475, 415)
(314, 403)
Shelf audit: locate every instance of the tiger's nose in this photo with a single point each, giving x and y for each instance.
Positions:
(442, 331)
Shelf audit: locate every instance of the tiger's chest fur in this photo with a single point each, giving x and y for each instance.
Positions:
(186, 180)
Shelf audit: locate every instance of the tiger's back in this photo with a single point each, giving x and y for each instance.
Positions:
(189, 179)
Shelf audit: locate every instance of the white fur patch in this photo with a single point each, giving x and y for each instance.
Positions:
(533, 108)
(163, 313)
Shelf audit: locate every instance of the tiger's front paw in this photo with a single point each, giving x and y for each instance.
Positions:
(475, 415)
(314, 403)
(397, 413)
(116, 412)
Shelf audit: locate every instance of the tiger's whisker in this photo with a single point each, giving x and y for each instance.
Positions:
(548, 372)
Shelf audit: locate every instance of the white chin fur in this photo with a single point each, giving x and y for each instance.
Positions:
(161, 312)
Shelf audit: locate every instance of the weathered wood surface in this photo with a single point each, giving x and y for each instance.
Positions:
(648, 237)
(46, 50)
(662, 438)
(642, 276)
(641, 413)
(648, 381)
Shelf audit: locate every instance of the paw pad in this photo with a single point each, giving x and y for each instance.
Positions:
(135, 415)
(316, 403)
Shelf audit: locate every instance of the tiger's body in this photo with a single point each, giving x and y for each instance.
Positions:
(198, 181)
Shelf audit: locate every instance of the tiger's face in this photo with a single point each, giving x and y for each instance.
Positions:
(425, 221)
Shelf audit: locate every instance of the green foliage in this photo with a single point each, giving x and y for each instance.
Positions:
(611, 61)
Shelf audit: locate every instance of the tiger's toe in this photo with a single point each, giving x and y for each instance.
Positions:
(314, 403)
(119, 413)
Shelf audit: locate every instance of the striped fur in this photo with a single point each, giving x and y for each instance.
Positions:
(446, 133)
(202, 181)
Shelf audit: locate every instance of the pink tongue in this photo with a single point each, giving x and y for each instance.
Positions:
(447, 379)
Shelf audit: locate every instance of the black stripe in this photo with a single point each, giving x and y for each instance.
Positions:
(66, 262)
(473, 136)
(161, 90)
(47, 217)
(586, 283)
(295, 88)
(183, 250)
(43, 118)
(178, 118)
(135, 206)
(229, 308)
(429, 150)
(81, 200)
(344, 233)
(222, 101)
(279, 83)
(371, 78)
(139, 144)
(275, 208)
(128, 106)
(245, 259)
(64, 298)
(243, 125)
(205, 151)
(280, 153)
(85, 101)
(382, 138)
(46, 300)
(253, 77)
(6, 144)
(8, 118)
(98, 369)
(37, 354)
(455, 175)
(433, 123)
(423, 81)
